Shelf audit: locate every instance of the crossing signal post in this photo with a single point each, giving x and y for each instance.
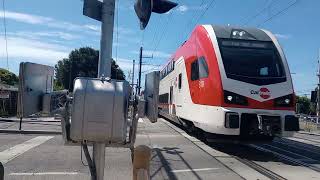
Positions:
(104, 12)
(83, 120)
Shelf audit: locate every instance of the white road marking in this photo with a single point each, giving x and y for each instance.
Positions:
(140, 120)
(44, 173)
(15, 151)
(193, 170)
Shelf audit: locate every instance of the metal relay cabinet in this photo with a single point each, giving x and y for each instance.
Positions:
(99, 111)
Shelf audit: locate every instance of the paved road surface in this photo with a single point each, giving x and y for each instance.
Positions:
(176, 155)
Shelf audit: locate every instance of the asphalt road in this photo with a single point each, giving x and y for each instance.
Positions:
(175, 155)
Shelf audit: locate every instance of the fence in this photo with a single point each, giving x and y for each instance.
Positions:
(309, 123)
(8, 101)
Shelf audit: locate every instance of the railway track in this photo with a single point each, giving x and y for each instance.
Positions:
(268, 173)
(256, 156)
(311, 140)
(287, 158)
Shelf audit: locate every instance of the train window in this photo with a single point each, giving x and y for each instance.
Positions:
(194, 70)
(199, 69)
(253, 62)
(168, 69)
(203, 68)
(163, 98)
(180, 81)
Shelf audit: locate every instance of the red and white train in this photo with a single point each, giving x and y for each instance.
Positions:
(229, 81)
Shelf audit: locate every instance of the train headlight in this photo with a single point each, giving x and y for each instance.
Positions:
(233, 98)
(287, 101)
(284, 101)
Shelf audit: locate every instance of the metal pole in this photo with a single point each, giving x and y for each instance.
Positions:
(105, 56)
(140, 66)
(1, 172)
(104, 70)
(99, 159)
(318, 90)
(137, 87)
(20, 124)
(133, 75)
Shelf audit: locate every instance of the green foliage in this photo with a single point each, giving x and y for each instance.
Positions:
(57, 86)
(304, 105)
(8, 77)
(82, 62)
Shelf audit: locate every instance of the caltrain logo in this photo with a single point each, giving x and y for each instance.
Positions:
(263, 92)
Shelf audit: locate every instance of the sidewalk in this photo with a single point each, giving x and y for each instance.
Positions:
(175, 157)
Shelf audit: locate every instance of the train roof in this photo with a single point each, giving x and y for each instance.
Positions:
(227, 33)
(251, 33)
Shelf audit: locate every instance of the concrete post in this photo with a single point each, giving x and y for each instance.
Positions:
(141, 163)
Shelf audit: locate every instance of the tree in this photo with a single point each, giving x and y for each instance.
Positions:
(82, 62)
(8, 77)
(304, 105)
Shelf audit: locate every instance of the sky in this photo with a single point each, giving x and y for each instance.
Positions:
(45, 31)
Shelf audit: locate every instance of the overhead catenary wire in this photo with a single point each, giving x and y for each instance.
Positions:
(190, 22)
(205, 11)
(279, 12)
(199, 16)
(246, 22)
(5, 33)
(164, 30)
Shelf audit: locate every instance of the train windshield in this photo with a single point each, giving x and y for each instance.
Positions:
(253, 62)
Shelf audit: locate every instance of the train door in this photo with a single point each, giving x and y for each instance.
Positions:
(194, 81)
(171, 100)
(178, 101)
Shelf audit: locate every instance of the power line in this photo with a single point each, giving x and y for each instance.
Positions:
(199, 16)
(5, 31)
(162, 34)
(164, 30)
(259, 13)
(155, 33)
(205, 11)
(190, 22)
(279, 13)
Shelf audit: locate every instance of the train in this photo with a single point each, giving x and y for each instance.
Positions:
(231, 83)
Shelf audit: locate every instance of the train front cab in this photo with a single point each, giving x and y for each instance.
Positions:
(258, 97)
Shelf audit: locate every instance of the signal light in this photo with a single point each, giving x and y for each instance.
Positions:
(144, 8)
(162, 6)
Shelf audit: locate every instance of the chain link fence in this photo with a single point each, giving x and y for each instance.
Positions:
(309, 123)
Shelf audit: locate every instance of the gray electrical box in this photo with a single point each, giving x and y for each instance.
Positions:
(35, 80)
(151, 95)
(99, 111)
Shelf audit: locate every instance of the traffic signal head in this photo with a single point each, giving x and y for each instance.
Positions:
(144, 8)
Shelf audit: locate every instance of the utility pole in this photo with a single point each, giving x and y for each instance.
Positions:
(140, 67)
(137, 87)
(140, 64)
(132, 81)
(318, 90)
